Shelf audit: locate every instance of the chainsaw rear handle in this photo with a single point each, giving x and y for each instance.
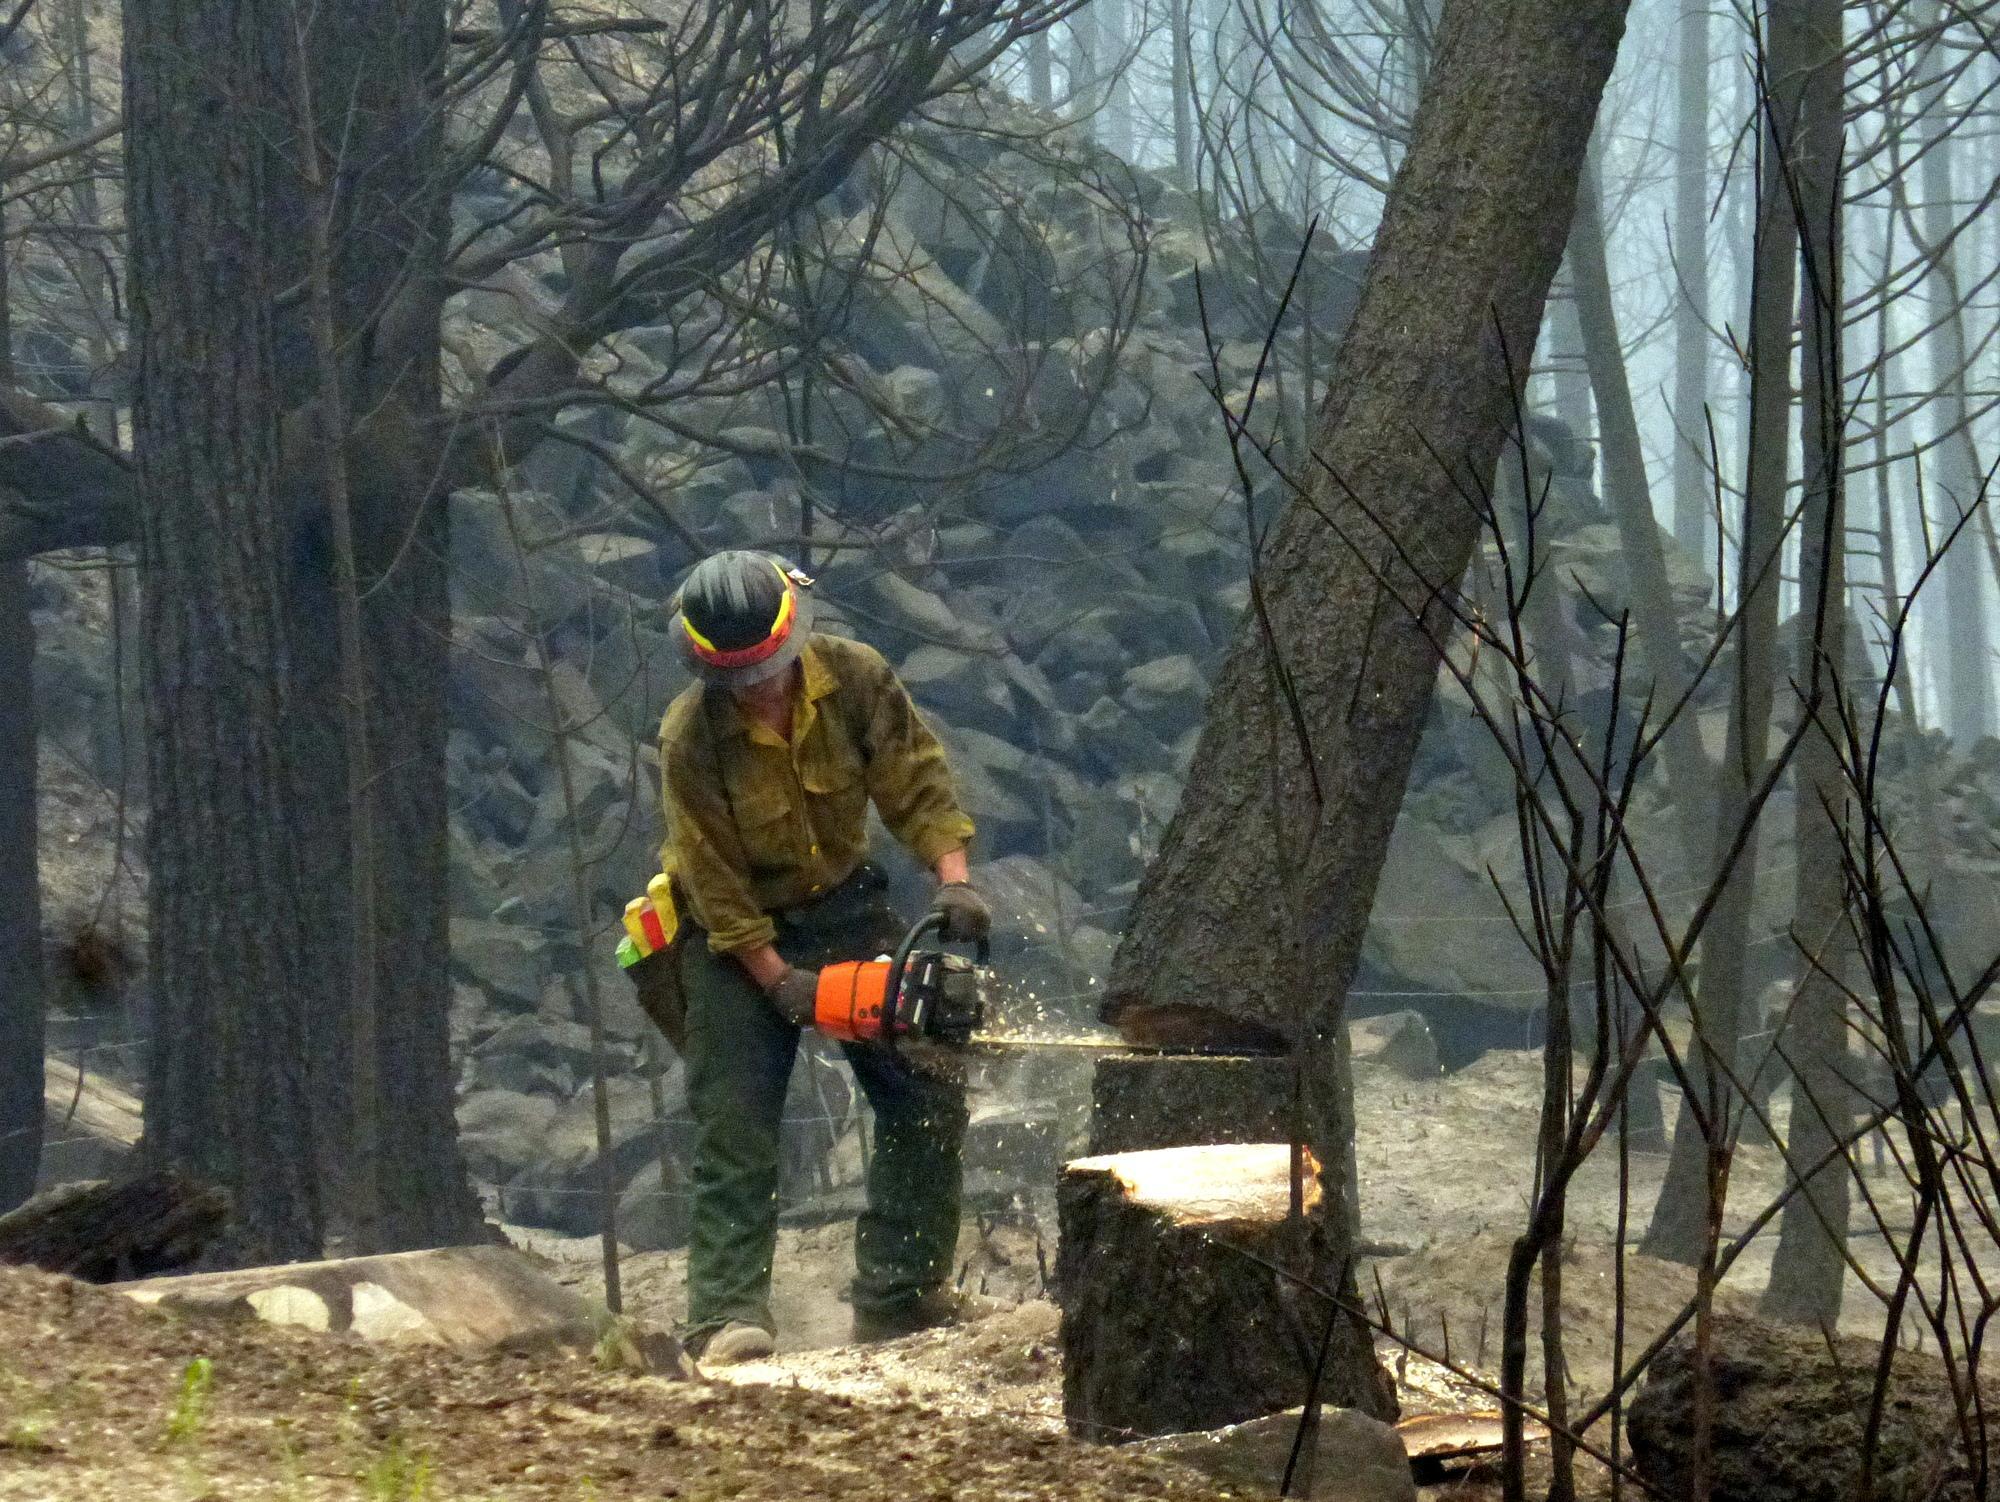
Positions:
(899, 963)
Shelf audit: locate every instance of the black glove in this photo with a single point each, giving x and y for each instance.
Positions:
(796, 995)
(967, 918)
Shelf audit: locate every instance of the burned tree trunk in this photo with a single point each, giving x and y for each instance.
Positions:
(227, 1096)
(1176, 1314)
(382, 944)
(21, 1014)
(1147, 1100)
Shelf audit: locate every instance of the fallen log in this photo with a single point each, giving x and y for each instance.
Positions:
(1173, 1316)
(104, 1231)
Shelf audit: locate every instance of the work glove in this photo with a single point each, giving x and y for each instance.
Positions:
(967, 918)
(796, 995)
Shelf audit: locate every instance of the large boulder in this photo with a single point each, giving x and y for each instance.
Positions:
(1791, 1408)
(1167, 693)
(964, 689)
(501, 1131)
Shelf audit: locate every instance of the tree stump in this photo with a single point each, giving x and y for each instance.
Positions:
(1167, 1325)
(1141, 1101)
(104, 1232)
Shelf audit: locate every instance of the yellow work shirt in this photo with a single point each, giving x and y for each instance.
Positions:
(757, 824)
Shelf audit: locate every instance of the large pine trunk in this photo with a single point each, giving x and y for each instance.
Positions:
(1421, 400)
(227, 1093)
(21, 1025)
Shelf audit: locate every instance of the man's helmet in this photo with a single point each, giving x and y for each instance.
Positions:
(743, 617)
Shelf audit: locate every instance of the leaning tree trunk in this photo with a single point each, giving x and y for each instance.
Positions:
(1967, 707)
(227, 1098)
(22, 1027)
(1422, 397)
(1692, 502)
(1630, 494)
(21, 1014)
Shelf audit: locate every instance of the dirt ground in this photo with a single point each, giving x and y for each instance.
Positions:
(97, 1400)
(104, 1401)
(1446, 1168)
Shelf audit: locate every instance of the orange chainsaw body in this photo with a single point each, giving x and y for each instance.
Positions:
(852, 999)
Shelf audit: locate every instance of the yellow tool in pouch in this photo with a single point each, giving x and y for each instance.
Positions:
(648, 955)
(661, 891)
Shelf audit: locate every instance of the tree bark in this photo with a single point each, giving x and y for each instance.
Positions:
(1682, 1215)
(1167, 1325)
(1569, 377)
(1421, 399)
(375, 83)
(21, 998)
(1086, 68)
(1182, 83)
(1115, 34)
(227, 1090)
(1810, 1264)
(1142, 1100)
(1041, 71)
(22, 1005)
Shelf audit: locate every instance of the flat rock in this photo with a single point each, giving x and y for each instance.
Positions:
(469, 1298)
(1355, 1459)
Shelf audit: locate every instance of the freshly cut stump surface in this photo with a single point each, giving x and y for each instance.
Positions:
(1173, 1318)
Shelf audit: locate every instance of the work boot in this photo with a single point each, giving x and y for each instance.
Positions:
(735, 1342)
(928, 1311)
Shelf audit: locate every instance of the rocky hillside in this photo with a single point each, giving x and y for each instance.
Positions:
(1021, 493)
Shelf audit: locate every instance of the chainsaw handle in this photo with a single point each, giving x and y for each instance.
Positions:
(899, 964)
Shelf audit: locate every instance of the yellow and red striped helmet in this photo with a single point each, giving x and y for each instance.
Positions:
(743, 617)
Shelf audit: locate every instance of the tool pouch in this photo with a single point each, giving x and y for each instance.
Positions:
(657, 979)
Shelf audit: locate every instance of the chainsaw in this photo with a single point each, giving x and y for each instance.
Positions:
(928, 998)
(929, 1003)
(922, 999)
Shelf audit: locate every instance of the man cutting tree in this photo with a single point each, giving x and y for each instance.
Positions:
(769, 762)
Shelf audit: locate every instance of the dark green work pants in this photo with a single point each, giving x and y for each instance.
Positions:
(739, 1061)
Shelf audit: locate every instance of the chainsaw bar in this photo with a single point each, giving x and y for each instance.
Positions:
(1111, 1043)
